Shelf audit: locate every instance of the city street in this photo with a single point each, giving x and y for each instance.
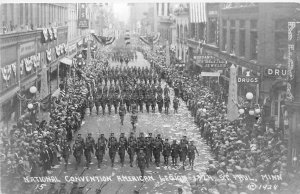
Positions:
(172, 126)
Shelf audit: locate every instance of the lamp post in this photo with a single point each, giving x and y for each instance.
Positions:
(31, 107)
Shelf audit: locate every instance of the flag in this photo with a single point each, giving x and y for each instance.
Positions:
(232, 109)
(127, 37)
(62, 93)
(198, 13)
(104, 40)
(150, 40)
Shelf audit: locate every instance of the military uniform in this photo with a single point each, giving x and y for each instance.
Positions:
(174, 152)
(166, 152)
(116, 102)
(140, 102)
(122, 148)
(113, 147)
(122, 112)
(134, 119)
(167, 103)
(175, 105)
(153, 102)
(191, 154)
(157, 148)
(148, 102)
(77, 152)
(97, 103)
(66, 151)
(183, 152)
(160, 102)
(89, 148)
(142, 162)
(109, 103)
(100, 149)
(103, 101)
(91, 104)
(131, 147)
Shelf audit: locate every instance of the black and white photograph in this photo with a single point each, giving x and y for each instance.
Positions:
(149, 97)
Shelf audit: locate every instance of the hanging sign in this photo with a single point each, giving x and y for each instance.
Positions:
(83, 22)
(210, 74)
(248, 78)
(210, 61)
(276, 72)
(27, 48)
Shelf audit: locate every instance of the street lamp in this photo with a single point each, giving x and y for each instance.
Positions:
(33, 89)
(249, 96)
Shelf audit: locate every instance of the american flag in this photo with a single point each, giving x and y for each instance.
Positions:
(127, 37)
(62, 93)
(198, 13)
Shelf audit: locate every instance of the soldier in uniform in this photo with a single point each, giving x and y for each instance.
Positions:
(148, 102)
(166, 151)
(153, 102)
(151, 147)
(142, 162)
(52, 189)
(148, 150)
(122, 112)
(141, 142)
(100, 148)
(89, 148)
(191, 154)
(160, 102)
(122, 148)
(66, 151)
(77, 152)
(97, 100)
(80, 139)
(109, 103)
(183, 152)
(113, 147)
(157, 148)
(174, 152)
(103, 101)
(131, 147)
(134, 107)
(127, 102)
(62, 189)
(159, 90)
(166, 91)
(175, 104)
(167, 103)
(134, 119)
(140, 102)
(116, 102)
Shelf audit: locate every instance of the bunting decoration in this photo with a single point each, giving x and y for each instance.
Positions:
(104, 40)
(50, 34)
(54, 30)
(28, 64)
(45, 35)
(6, 72)
(14, 69)
(21, 67)
(127, 38)
(58, 49)
(48, 53)
(150, 40)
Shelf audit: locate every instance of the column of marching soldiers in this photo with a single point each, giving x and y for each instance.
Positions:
(128, 89)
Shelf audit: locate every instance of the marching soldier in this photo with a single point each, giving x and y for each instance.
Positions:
(153, 102)
(134, 119)
(103, 101)
(191, 154)
(62, 189)
(127, 102)
(148, 102)
(100, 148)
(109, 103)
(148, 145)
(80, 139)
(166, 90)
(175, 105)
(113, 147)
(142, 162)
(66, 151)
(141, 142)
(77, 152)
(159, 90)
(140, 102)
(151, 147)
(116, 102)
(89, 148)
(166, 151)
(160, 102)
(157, 148)
(131, 147)
(97, 101)
(167, 103)
(183, 152)
(134, 107)
(122, 112)
(52, 189)
(174, 152)
(122, 148)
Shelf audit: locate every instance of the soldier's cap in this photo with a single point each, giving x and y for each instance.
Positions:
(52, 183)
(122, 133)
(79, 134)
(112, 133)
(167, 139)
(150, 133)
(184, 136)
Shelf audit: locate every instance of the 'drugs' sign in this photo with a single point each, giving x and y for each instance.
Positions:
(248, 78)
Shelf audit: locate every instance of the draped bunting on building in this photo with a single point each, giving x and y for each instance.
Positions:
(150, 40)
(104, 40)
(232, 109)
(6, 72)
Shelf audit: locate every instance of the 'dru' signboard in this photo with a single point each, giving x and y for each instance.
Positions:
(276, 72)
(248, 78)
(83, 21)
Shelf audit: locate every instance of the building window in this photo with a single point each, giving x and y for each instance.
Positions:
(253, 45)
(212, 36)
(242, 42)
(232, 41)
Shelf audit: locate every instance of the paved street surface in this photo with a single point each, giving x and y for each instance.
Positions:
(172, 126)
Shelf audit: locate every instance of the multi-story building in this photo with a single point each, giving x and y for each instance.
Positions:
(32, 36)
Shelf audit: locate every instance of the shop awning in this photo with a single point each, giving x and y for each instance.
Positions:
(66, 61)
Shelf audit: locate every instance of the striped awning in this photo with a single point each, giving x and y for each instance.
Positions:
(198, 13)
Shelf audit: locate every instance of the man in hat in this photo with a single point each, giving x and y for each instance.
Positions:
(134, 119)
(90, 142)
(131, 147)
(175, 105)
(52, 189)
(77, 152)
(62, 189)
(140, 101)
(167, 103)
(166, 151)
(122, 112)
(160, 102)
(103, 102)
(191, 154)
(74, 189)
(100, 148)
(113, 147)
(122, 148)
(116, 101)
(80, 139)
(141, 142)
(97, 101)
(90, 104)
(153, 102)
(148, 102)
(142, 162)
(66, 151)
(148, 150)
(183, 152)
(174, 152)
